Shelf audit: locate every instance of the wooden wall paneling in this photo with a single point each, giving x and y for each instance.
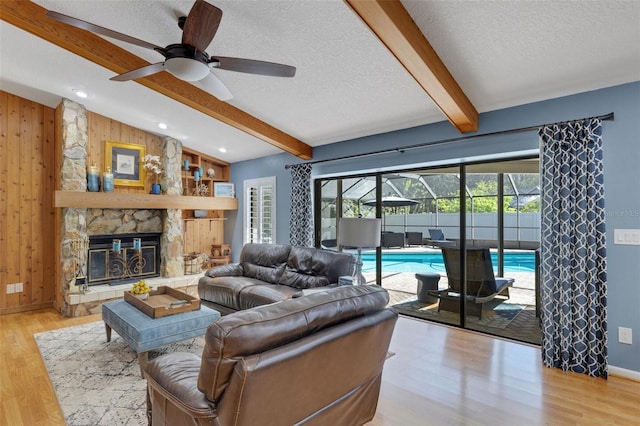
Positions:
(38, 212)
(139, 137)
(101, 129)
(105, 134)
(189, 233)
(205, 237)
(27, 203)
(28, 127)
(13, 199)
(94, 146)
(200, 234)
(4, 101)
(49, 223)
(217, 231)
(57, 160)
(115, 132)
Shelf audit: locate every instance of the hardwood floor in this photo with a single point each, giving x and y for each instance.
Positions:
(26, 394)
(438, 376)
(447, 376)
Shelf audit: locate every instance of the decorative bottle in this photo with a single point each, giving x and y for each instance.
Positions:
(93, 178)
(107, 180)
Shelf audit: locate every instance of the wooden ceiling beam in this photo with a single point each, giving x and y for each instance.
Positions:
(393, 25)
(31, 17)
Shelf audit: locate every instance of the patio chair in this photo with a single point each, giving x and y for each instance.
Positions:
(331, 243)
(413, 238)
(482, 285)
(437, 239)
(392, 239)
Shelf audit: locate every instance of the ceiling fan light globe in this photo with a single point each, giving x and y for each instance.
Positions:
(187, 69)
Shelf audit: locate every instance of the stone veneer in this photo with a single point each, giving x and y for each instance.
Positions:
(79, 223)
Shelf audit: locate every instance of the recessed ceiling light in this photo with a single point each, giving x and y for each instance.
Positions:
(80, 93)
(223, 150)
(162, 126)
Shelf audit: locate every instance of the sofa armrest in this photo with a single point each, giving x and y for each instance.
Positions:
(228, 270)
(173, 378)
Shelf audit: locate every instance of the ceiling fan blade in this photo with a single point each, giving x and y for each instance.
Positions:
(201, 25)
(78, 23)
(252, 66)
(139, 72)
(213, 85)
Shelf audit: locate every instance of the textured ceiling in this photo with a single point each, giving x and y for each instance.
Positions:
(347, 84)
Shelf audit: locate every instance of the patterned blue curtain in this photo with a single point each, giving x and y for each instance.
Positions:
(573, 253)
(301, 220)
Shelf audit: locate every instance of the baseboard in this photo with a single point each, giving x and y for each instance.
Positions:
(623, 372)
(15, 310)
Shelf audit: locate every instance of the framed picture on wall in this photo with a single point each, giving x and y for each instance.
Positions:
(223, 189)
(125, 162)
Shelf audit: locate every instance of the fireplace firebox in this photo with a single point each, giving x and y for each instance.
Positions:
(117, 259)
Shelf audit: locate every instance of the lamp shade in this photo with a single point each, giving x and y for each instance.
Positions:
(359, 232)
(187, 69)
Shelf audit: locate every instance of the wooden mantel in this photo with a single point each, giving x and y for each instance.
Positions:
(114, 200)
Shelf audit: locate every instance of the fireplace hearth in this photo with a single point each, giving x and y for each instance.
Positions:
(117, 259)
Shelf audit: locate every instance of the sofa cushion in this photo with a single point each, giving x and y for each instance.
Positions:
(266, 327)
(265, 262)
(225, 290)
(267, 274)
(229, 270)
(310, 267)
(264, 294)
(300, 281)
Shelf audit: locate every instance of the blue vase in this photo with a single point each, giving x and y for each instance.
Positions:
(107, 180)
(155, 188)
(93, 178)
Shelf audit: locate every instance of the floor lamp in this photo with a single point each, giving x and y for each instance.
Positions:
(359, 233)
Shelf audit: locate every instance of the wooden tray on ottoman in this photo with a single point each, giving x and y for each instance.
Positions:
(158, 304)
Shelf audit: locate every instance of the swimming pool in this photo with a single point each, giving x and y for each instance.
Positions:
(516, 261)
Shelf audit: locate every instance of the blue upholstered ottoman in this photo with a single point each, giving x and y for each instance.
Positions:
(144, 333)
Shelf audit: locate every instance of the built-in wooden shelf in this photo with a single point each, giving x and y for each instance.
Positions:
(115, 200)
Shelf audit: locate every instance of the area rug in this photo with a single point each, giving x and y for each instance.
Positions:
(98, 382)
(496, 314)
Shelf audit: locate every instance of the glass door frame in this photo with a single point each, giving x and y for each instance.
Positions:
(464, 196)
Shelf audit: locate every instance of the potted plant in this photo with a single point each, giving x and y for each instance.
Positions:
(153, 165)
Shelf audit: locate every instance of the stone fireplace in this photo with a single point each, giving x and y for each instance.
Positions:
(80, 225)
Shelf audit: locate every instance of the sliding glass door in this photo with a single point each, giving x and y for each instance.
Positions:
(458, 244)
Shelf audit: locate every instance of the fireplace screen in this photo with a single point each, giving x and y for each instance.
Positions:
(123, 258)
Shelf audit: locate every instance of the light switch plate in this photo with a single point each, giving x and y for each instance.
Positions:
(629, 237)
(625, 335)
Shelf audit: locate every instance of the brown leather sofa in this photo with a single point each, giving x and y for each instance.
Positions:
(269, 273)
(313, 360)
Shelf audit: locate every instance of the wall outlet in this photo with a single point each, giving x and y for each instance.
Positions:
(629, 237)
(19, 288)
(11, 288)
(625, 335)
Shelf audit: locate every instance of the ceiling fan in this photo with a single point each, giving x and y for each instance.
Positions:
(188, 60)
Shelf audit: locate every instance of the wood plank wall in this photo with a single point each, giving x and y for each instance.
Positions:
(26, 203)
(103, 129)
(28, 177)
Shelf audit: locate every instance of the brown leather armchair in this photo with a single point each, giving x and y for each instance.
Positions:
(314, 360)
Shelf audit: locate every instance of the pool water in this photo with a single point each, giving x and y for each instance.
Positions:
(432, 262)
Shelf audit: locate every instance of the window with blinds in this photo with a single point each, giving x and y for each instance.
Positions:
(260, 214)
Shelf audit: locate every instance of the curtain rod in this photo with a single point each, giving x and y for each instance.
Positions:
(446, 141)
